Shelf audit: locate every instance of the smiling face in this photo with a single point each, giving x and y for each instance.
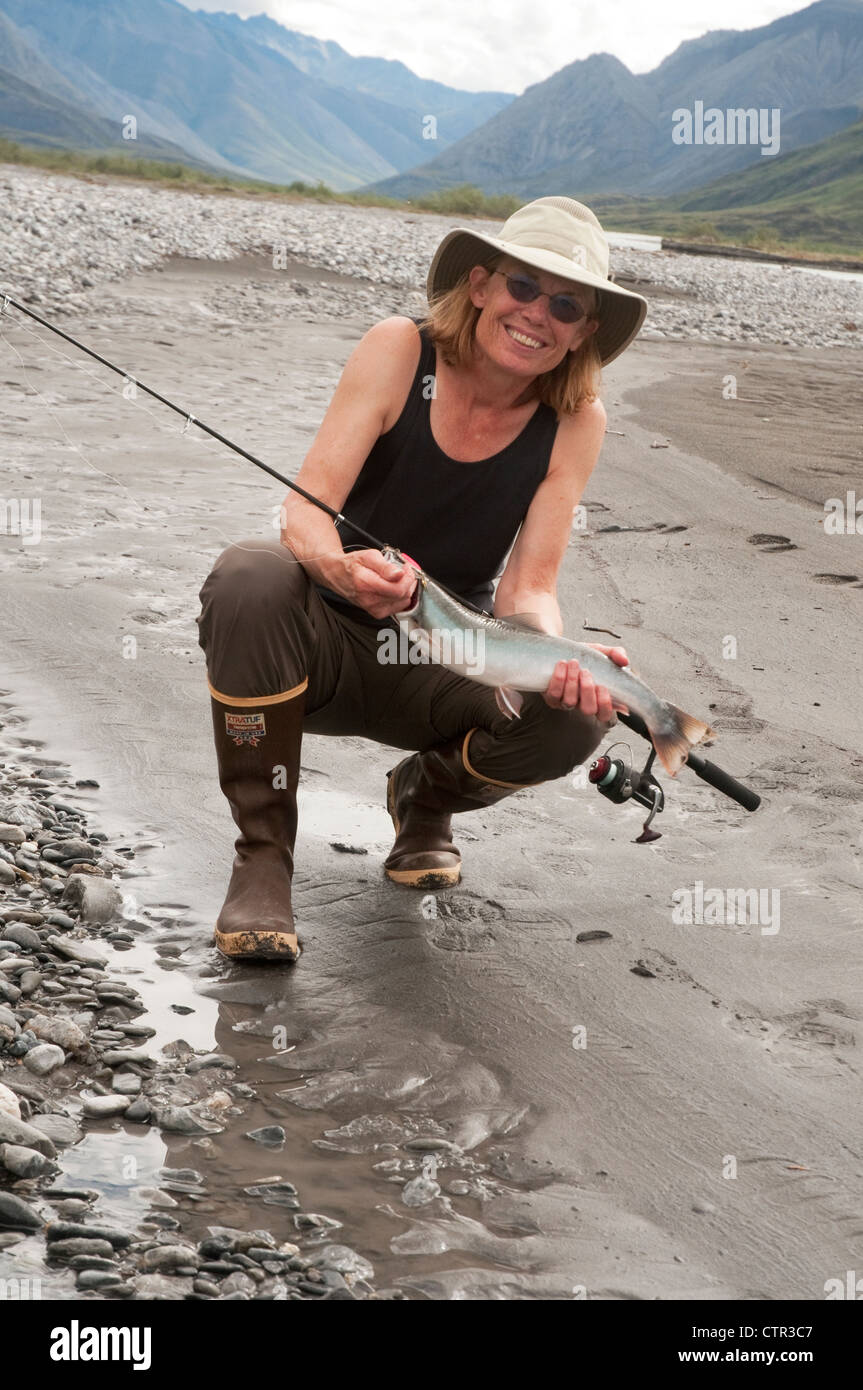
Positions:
(526, 338)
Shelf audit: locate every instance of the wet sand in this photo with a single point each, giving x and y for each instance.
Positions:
(602, 1166)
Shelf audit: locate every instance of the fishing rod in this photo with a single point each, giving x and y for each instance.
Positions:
(610, 775)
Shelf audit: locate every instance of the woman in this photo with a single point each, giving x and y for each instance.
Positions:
(452, 439)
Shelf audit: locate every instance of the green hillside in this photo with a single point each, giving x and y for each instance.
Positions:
(808, 200)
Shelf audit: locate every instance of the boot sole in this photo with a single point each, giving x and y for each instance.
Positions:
(247, 945)
(417, 878)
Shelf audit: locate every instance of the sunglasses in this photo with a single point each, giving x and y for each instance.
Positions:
(525, 290)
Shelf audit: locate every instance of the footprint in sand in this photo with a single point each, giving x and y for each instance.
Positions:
(804, 1038)
(771, 545)
(465, 925)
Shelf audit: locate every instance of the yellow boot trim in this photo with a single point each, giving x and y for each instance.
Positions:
(481, 777)
(242, 701)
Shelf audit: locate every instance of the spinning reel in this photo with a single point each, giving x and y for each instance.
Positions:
(620, 783)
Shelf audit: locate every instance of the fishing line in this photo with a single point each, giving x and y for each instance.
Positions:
(78, 449)
(193, 420)
(190, 419)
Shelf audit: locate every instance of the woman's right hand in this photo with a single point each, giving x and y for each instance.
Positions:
(380, 586)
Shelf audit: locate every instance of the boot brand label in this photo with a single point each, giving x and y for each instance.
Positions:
(245, 728)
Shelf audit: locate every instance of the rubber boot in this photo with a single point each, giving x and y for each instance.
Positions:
(258, 751)
(423, 793)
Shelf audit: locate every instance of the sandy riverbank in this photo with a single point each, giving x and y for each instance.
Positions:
(599, 1167)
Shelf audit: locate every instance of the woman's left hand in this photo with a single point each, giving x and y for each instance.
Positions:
(571, 687)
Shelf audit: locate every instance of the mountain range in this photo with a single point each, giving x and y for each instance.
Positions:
(251, 98)
(596, 127)
(243, 96)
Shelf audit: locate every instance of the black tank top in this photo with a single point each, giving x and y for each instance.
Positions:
(457, 520)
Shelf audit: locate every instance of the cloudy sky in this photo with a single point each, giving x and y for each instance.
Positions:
(508, 44)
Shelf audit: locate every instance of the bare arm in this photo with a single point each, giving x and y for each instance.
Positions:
(529, 582)
(372, 386)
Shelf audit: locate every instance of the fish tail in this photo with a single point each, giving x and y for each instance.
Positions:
(679, 732)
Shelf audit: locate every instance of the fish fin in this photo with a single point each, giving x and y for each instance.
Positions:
(530, 622)
(673, 744)
(508, 701)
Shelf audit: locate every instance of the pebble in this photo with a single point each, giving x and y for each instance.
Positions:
(79, 1245)
(98, 900)
(71, 1230)
(103, 1107)
(24, 1162)
(9, 1103)
(44, 1058)
(61, 919)
(60, 1030)
(139, 1112)
(126, 1084)
(77, 950)
(272, 1136)
(62, 1129)
(97, 1279)
(182, 1119)
(212, 1059)
(16, 1214)
(23, 935)
(12, 835)
(165, 1257)
(14, 1131)
(117, 1057)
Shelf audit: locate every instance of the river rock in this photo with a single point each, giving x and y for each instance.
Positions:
(183, 1119)
(164, 1257)
(97, 899)
(71, 1230)
(115, 1057)
(62, 1129)
(79, 1245)
(16, 1214)
(98, 1279)
(61, 1031)
(76, 950)
(104, 1107)
(25, 1163)
(14, 1131)
(272, 1136)
(22, 935)
(44, 1058)
(9, 1103)
(11, 835)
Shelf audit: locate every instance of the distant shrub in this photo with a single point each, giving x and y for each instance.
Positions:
(704, 231)
(466, 198)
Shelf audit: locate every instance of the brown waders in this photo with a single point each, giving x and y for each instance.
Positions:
(282, 661)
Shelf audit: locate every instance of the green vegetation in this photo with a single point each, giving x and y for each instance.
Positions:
(464, 200)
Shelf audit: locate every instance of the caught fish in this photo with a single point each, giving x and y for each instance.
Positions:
(513, 655)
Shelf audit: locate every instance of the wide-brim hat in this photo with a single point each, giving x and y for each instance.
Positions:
(557, 235)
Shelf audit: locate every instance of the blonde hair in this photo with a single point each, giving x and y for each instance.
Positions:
(451, 325)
